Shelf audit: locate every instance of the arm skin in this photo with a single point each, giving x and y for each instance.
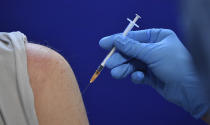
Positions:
(57, 96)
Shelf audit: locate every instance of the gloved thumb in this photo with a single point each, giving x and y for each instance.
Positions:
(133, 48)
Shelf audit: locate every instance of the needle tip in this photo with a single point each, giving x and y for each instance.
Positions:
(86, 88)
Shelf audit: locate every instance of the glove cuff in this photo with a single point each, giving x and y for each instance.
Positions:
(200, 111)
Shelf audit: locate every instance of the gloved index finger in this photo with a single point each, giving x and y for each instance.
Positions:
(144, 36)
(107, 42)
(140, 35)
(149, 35)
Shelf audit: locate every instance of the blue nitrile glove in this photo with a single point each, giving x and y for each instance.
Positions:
(157, 57)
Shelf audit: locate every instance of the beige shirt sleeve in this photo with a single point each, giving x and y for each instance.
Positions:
(16, 96)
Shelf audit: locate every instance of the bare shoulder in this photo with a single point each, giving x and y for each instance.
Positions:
(43, 56)
(57, 96)
(44, 61)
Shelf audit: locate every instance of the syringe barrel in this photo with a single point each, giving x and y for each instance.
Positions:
(109, 55)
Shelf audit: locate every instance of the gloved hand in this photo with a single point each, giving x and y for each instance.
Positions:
(157, 57)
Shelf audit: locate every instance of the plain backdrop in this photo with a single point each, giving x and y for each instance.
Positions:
(74, 27)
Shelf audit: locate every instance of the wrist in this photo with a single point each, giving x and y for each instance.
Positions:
(206, 117)
(196, 98)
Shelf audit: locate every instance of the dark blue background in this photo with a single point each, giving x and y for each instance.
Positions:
(74, 27)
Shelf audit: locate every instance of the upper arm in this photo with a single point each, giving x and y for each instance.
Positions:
(57, 96)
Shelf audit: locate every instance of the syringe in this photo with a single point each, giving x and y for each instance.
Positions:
(129, 28)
